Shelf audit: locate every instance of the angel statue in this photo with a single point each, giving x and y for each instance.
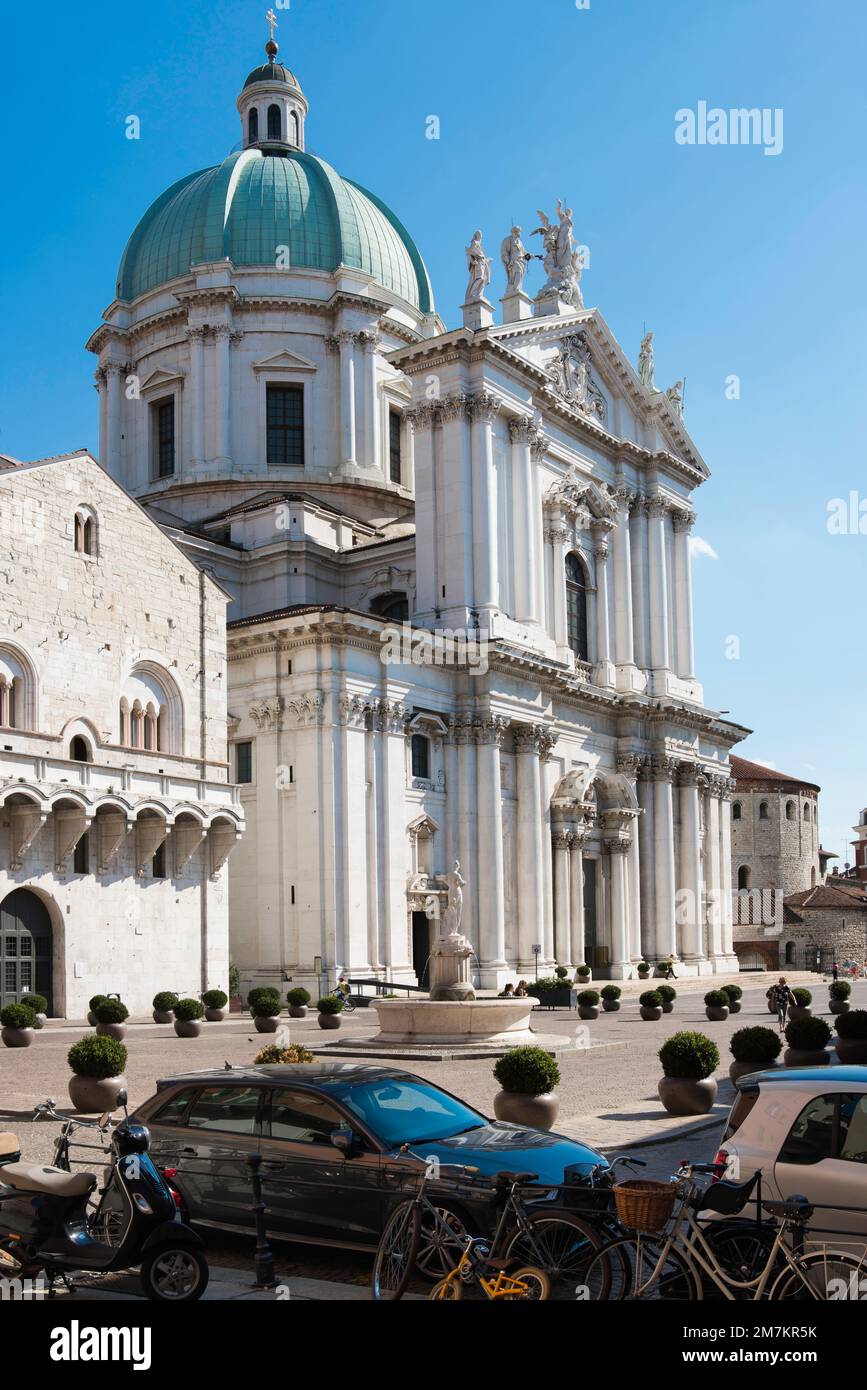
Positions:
(645, 362)
(675, 395)
(479, 267)
(515, 258)
(562, 262)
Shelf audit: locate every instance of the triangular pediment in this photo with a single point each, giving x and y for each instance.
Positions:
(284, 361)
(160, 379)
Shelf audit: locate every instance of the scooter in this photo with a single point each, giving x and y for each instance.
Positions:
(50, 1226)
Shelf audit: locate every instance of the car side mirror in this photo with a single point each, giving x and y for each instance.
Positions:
(344, 1140)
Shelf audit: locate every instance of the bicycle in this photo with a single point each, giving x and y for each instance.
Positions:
(652, 1264)
(106, 1223)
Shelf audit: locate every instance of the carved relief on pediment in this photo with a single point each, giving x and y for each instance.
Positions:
(571, 376)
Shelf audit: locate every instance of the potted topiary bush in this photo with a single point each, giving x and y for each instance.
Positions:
(839, 996)
(273, 1055)
(734, 994)
(668, 996)
(801, 1009)
(188, 1017)
(215, 1001)
(754, 1049)
(562, 974)
(297, 999)
(583, 975)
(588, 1004)
(39, 1004)
(716, 1005)
(850, 1043)
(265, 1007)
(689, 1061)
(644, 970)
(527, 1077)
(552, 992)
(808, 1039)
(330, 1008)
(19, 1024)
(91, 1016)
(97, 1073)
(111, 1016)
(651, 1005)
(235, 1003)
(164, 1006)
(611, 998)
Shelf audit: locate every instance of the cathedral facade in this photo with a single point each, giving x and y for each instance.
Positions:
(461, 621)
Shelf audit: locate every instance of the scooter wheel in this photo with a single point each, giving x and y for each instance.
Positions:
(174, 1274)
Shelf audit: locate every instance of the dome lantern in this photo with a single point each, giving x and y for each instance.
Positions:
(272, 106)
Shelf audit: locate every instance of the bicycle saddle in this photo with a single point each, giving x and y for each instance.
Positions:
(795, 1208)
(508, 1179)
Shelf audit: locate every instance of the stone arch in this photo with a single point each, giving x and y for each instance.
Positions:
(31, 912)
(151, 710)
(19, 688)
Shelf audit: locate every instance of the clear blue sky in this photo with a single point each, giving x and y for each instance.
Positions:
(740, 262)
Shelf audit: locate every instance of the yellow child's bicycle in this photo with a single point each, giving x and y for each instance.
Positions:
(477, 1268)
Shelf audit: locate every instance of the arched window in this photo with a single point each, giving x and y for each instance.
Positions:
(253, 127)
(151, 712)
(806, 810)
(275, 125)
(17, 689)
(81, 857)
(745, 876)
(85, 531)
(576, 607)
(79, 752)
(736, 811)
(420, 747)
(295, 128)
(393, 606)
(790, 810)
(790, 953)
(763, 810)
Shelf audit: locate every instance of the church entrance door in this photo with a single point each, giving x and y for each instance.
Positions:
(421, 948)
(25, 948)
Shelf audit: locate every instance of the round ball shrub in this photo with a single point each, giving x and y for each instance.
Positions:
(583, 971)
(17, 1016)
(716, 999)
(561, 972)
(297, 998)
(260, 995)
(527, 1071)
(644, 965)
(853, 1024)
(650, 999)
(808, 1034)
(589, 998)
(188, 1010)
(111, 1011)
(95, 1001)
(611, 991)
(215, 999)
(165, 1001)
(97, 1057)
(273, 1053)
(760, 1045)
(804, 998)
(733, 991)
(690, 1056)
(330, 1004)
(839, 989)
(37, 1002)
(666, 993)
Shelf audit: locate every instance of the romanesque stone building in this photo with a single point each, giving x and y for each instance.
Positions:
(116, 816)
(459, 560)
(775, 830)
(826, 924)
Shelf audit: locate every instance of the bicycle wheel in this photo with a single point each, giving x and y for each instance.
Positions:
(395, 1256)
(623, 1271)
(537, 1285)
(743, 1250)
(447, 1291)
(561, 1245)
(828, 1276)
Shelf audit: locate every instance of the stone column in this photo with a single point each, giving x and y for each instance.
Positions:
(467, 821)
(629, 765)
(99, 381)
(196, 338)
(491, 885)
(683, 524)
(427, 595)
(562, 942)
(624, 644)
(689, 905)
(639, 571)
(482, 410)
(344, 345)
(527, 596)
(223, 388)
(557, 536)
(367, 344)
(658, 587)
(616, 848)
(577, 841)
(663, 856)
(713, 867)
(533, 521)
(115, 373)
(725, 831)
(453, 850)
(645, 838)
(529, 846)
(604, 670)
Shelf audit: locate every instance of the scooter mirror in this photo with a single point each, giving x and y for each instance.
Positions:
(122, 1099)
(104, 1119)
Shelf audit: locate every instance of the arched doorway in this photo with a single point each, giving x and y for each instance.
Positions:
(25, 948)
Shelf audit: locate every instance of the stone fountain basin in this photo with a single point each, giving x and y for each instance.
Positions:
(455, 1021)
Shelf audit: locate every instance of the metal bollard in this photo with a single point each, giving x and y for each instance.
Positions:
(263, 1254)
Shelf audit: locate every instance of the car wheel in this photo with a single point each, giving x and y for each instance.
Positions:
(439, 1250)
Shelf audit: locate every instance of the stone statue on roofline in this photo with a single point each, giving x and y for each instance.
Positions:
(645, 362)
(479, 267)
(562, 262)
(515, 258)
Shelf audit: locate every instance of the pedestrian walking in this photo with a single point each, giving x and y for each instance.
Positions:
(835, 971)
(783, 998)
(668, 967)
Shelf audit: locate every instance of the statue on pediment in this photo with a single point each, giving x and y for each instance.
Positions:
(675, 395)
(479, 267)
(562, 262)
(572, 376)
(645, 362)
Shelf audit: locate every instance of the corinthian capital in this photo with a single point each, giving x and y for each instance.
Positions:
(682, 520)
(521, 428)
(483, 406)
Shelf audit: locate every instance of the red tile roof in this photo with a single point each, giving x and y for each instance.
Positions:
(829, 896)
(745, 772)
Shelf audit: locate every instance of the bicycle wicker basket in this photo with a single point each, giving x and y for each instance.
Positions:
(644, 1205)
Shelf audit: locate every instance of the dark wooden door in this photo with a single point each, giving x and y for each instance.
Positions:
(421, 944)
(25, 948)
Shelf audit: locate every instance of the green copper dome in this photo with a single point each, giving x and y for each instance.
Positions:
(258, 200)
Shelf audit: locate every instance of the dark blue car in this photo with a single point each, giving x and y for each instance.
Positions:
(204, 1125)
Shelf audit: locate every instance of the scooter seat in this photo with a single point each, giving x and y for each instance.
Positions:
(8, 1145)
(53, 1182)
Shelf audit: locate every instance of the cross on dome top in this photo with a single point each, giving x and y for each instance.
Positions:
(271, 46)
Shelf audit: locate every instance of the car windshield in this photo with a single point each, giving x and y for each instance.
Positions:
(403, 1112)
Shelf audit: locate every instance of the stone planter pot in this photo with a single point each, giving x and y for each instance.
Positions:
(18, 1037)
(644, 974)
(93, 1094)
(188, 1027)
(163, 1016)
(582, 981)
(799, 1011)
(537, 1112)
(716, 1015)
(851, 1050)
(328, 1020)
(650, 1015)
(236, 1004)
(266, 1025)
(611, 1005)
(111, 1030)
(682, 1095)
(839, 1006)
(41, 1020)
(737, 1069)
(735, 1006)
(91, 1018)
(668, 1008)
(297, 1010)
(215, 1015)
(802, 1057)
(588, 1011)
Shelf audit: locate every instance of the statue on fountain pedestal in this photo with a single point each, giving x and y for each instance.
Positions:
(450, 958)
